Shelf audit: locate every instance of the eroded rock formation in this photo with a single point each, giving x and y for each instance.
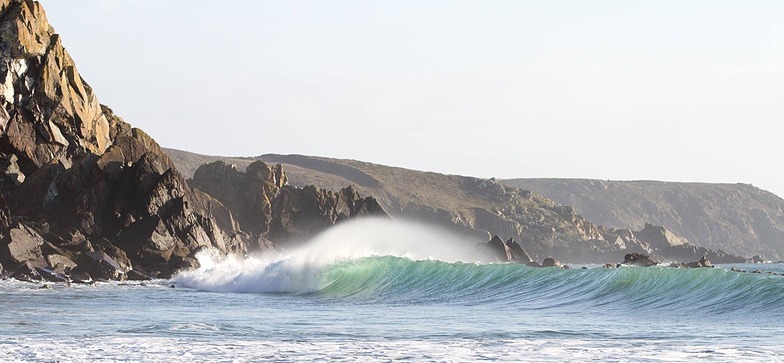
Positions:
(85, 195)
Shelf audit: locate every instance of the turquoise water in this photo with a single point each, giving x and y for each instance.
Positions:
(382, 308)
(350, 295)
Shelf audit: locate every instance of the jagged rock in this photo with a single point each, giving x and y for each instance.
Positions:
(551, 262)
(5, 216)
(703, 262)
(138, 275)
(99, 265)
(509, 251)
(26, 272)
(21, 244)
(60, 263)
(265, 206)
(51, 275)
(300, 213)
(659, 237)
(80, 277)
(66, 158)
(248, 195)
(636, 259)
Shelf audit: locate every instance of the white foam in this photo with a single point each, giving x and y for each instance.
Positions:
(299, 270)
(173, 350)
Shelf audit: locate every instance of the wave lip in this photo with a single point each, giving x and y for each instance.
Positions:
(396, 262)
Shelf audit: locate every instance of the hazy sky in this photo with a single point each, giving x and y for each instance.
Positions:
(666, 90)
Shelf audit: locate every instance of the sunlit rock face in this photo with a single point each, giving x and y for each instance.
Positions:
(77, 179)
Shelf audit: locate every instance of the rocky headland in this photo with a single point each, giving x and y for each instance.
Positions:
(85, 196)
(737, 218)
(480, 208)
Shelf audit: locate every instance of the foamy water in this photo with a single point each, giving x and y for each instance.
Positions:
(379, 291)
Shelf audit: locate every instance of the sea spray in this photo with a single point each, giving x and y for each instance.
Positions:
(300, 270)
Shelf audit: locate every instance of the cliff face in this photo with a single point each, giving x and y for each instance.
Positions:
(265, 205)
(479, 207)
(82, 193)
(737, 218)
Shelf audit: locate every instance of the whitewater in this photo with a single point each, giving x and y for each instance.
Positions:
(379, 290)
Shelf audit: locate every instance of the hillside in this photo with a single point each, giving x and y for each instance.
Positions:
(737, 218)
(478, 207)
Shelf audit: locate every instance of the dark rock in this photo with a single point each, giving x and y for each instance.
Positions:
(51, 275)
(138, 275)
(80, 277)
(608, 265)
(551, 262)
(300, 213)
(99, 265)
(703, 262)
(248, 195)
(21, 244)
(509, 251)
(636, 259)
(26, 272)
(533, 264)
(59, 263)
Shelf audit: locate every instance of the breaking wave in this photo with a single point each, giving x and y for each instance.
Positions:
(399, 262)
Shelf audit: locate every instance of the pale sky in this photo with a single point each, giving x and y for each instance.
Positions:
(662, 90)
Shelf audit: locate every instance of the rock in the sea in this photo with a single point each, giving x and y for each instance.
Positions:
(60, 264)
(26, 272)
(703, 262)
(21, 244)
(637, 259)
(551, 262)
(100, 266)
(506, 251)
(51, 275)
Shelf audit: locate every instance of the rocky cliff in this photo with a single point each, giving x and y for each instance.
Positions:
(480, 208)
(84, 195)
(738, 218)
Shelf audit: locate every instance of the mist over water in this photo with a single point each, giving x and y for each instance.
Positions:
(378, 290)
(300, 270)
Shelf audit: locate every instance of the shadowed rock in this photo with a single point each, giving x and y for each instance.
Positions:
(508, 251)
(637, 259)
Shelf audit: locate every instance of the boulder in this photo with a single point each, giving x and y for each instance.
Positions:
(551, 262)
(509, 251)
(51, 275)
(138, 275)
(21, 244)
(703, 262)
(26, 272)
(659, 237)
(59, 263)
(637, 259)
(99, 265)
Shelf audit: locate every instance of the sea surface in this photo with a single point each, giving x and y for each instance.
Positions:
(342, 298)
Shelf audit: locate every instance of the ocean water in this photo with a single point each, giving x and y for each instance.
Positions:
(382, 291)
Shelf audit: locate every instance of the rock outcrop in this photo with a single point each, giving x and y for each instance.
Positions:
(480, 208)
(637, 259)
(265, 205)
(738, 218)
(503, 251)
(86, 196)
